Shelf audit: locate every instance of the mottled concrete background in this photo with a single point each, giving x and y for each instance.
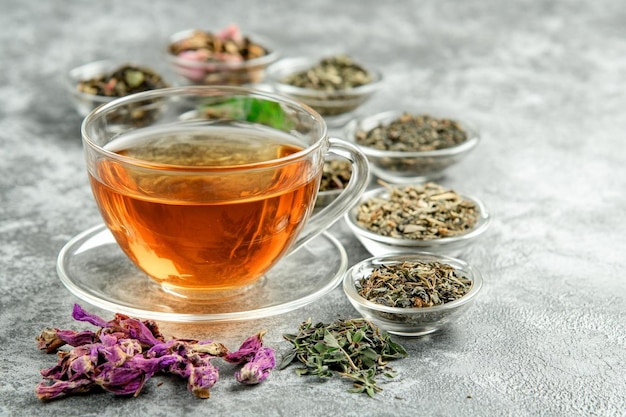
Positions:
(546, 82)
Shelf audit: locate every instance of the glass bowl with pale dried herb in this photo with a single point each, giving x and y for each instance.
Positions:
(412, 146)
(223, 57)
(334, 86)
(412, 294)
(101, 82)
(423, 217)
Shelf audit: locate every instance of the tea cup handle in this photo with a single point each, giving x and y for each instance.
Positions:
(359, 179)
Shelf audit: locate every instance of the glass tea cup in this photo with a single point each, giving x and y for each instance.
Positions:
(206, 188)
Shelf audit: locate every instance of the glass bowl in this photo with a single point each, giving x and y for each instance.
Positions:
(405, 166)
(196, 72)
(83, 102)
(334, 106)
(379, 245)
(410, 321)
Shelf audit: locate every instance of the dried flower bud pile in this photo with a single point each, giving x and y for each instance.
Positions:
(227, 45)
(125, 352)
(413, 133)
(125, 80)
(426, 211)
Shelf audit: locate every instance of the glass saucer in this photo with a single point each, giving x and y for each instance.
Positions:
(94, 268)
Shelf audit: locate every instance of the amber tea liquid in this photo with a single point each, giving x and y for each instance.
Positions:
(200, 221)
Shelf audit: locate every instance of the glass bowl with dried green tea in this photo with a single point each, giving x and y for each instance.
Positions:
(412, 294)
(224, 57)
(423, 217)
(101, 82)
(334, 86)
(409, 147)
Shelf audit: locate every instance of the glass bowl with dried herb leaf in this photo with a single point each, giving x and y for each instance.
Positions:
(334, 86)
(101, 82)
(410, 147)
(423, 217)
(412, 294)
(223, 57)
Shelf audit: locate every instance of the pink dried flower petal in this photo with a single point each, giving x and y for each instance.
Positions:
(199, 55)
(81, 315)
(259, 368)
(230, 32)
(52, 339)
(133, 328)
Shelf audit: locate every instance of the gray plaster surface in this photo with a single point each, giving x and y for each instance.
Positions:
(546, 82)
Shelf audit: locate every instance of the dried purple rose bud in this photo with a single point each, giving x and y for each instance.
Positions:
(129, 377)
(193, 362)
(201, 379)
(52, 339)
(259, 368)
(247, 350)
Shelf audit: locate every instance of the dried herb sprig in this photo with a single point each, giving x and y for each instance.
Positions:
(426, 211)
(355, 349)
(413, 284)
(125, 352)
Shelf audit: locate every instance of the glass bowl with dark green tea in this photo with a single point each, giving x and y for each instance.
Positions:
(221, 57)
(412, 146)
(334, 180)
(412, 294)
(422, 217)
(101, 82)
(334, 85)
